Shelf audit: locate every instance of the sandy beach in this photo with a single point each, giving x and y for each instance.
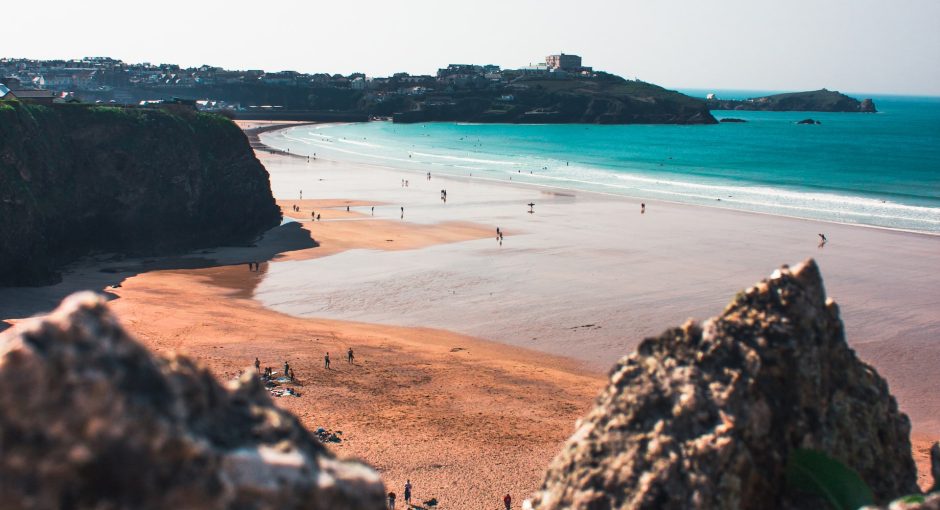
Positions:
(474, 358)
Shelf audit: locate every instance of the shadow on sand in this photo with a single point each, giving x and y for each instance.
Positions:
(103, 272)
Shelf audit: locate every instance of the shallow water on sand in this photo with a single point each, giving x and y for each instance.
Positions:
(873, 169)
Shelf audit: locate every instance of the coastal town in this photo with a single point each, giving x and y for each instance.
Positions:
(112, 81)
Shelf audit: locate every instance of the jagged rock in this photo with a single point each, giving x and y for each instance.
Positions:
(90, 419)
(705, 416)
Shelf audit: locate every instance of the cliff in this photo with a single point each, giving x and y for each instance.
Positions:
(708, 415)
(78, 179)
(600, 99)
(92, 420)
(813, 101)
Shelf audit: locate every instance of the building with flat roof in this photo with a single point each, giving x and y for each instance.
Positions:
(563, 62)
(35, 96)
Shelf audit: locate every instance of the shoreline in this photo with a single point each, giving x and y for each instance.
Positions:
(862, 266)
(386, 166)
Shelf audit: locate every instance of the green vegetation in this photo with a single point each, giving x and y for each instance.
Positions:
(816, 473)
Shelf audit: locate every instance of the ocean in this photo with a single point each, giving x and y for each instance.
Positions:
(878, 169)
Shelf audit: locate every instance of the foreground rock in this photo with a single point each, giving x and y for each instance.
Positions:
(706, 416)
(91, 420)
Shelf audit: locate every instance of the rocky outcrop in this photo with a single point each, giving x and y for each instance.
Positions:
(811, 101)
(78, 179)
(92, 420)
(707, 415)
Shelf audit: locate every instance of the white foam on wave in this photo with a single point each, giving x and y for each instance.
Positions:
(633, 182)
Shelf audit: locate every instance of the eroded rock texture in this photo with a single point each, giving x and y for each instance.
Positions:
(90, 419)
(705, 416)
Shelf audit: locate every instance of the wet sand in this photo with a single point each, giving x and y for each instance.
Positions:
(587, 275)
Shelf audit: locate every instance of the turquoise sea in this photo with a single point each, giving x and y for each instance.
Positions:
(873, 169)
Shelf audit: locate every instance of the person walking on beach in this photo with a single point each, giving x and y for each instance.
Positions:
(286, 369)
(349, 356)
(373, 210)
(507, 500)
(318, 216)
(822, 238)
(408, 487)
(326, 361)
(391, 501)
(257, 365)
(642, 208)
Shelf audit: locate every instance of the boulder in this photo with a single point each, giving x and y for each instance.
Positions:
(707, 415)
(92, 420)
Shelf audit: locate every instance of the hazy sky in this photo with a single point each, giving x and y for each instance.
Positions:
(886, 46)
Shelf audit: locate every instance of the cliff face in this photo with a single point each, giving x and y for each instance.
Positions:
(76, 179)
(706, 416)
(92, 420)
(813, 101)
(605, 99)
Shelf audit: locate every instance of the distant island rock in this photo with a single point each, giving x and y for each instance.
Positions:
(809, 121)
(79, 179)
(812, 101)
(732, 120)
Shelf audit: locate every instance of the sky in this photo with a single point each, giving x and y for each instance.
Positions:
(875, 46)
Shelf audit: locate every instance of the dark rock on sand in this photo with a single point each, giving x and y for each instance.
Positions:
(706, 415)
(91, 420)
(80, 179)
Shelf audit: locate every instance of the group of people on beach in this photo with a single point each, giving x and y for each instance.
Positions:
(269, 372)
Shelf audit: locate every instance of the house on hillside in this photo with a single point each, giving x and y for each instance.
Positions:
(35, 96)
(6, 93)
